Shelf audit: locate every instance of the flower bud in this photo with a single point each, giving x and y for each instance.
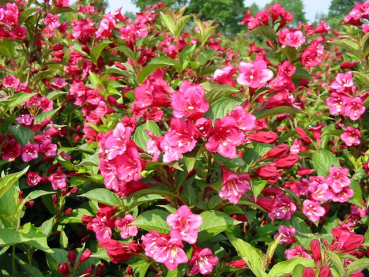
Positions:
(63, 269)
(264, 137)
(287, 162)
(277, 152)
(267, 172)
(71, 257)
(85, 256)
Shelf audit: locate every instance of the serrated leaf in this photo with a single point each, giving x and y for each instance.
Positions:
(8, 180)
(21, 133)
(323, 160)
(41, 117)
(276, 111)
(357, 266)
(97, 49)
(286, 268)
(214, 91)
(221, 107)
(127, 51)
(140, 137)
(266, 31)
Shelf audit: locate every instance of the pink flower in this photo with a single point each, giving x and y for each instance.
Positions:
(19, 32)
(336, 103)
(343, 82)
(313, 210)
(284, 208)
(287, 235)
(11, 82)
(354, 108)
(234, 186)
(343, 196)
(297, 251)
(52, 21)
(351, 136)
(189, 101)
(126, 229)
(48, 148)
(116, 143)
(184, 224)
(255, 74)
(338, 179)
(320, 191)
(58, 180)
(164, 249)
(103, 225)
(312, 55)
(128, 165)
(178, 140)
(290, 37)
(246, 121)
(33, 178)
(202, 261)
(25, 119)
(30, 152)
(225, 137)
(224, 76)
(59, 82)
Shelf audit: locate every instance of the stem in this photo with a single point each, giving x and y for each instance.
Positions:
(13, 260)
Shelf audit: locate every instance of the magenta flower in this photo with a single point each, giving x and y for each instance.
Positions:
(255, 74)
(313, 210)
(284, 208)
(313, 54)
(338, 179)
(287, 236)
(336, 103)
(52, 21)
(189, 101)
(234, 185)
(297, 251)
(224, 76)
(290, 37)
(320, 191)
(225, 137)
(30, 152)
(246, 121)
(354, 108)
(33, 178)
(164, 249)
(48, 148)
(11, 82)
(25, 119)
(178, 140)
(184, 224)
(128, 165)
(103, 225)
(126, 229)
(351, 136)
(202, 261)
(343, 82)
(343, 196)
(58, 180)
(116, 143)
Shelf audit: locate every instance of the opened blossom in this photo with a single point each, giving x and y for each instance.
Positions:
(234, 185)
(313, 210)
(189, 101)
(338, 179)
(225, 137)
(126, 228)
(202, 261)
(255, 74)
(58, 180)
(287, 235)
(184, 224)
(30, 152)
(351, 136)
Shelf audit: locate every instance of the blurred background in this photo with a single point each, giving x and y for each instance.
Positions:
(228, 13)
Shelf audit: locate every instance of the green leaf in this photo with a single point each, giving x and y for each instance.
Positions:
(301, 73)
(21, 133)
(189, 195)
(168, 22)
(30, 269)
(214, 91)
(286, 268)
(10, 237)
(15, 100)
(94, 79)
(180, 24)
(358, 196)
(147, 70)
(357, 265)
(153, 220)
(61, 10)
(249, 254)
(140, 137)
(103, 196)
(41, 117)
(74, 217)
(323, 160)
(363, 78)
(27, 13)
(266, 31)
(58, 256)
(257, 186)
(214, 222)
(349, 45)
(142, 200)
(7, 181)
(126, 51)
(206, 55)
(37, 238)
(336, 261)
(221, 107)
(92, 160)
(7, 48)
(56, 94)
(272, 247)
(290, 53)
(276, 111)
(96, 50)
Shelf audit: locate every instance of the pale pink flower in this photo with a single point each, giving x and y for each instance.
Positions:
(313, 210)
(343, 82)
(52, 21)
(103, 225)
(184, 224)
(293, 38)
(320, 191)
(126, 229)
(30, 152)
(189, 101)
(351, 136)
(234, 185)
(202, 261)
(255, 74)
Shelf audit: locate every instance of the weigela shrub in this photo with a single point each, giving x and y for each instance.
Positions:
(158, 147)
